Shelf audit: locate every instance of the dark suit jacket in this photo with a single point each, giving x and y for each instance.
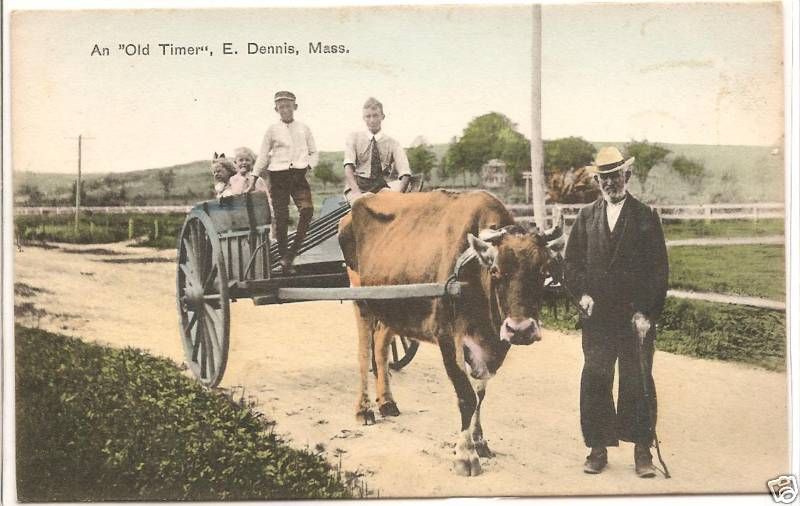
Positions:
(623, 272)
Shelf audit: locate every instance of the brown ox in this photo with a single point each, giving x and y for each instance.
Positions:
(393, 238)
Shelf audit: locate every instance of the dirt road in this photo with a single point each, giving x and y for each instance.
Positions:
(723, 426)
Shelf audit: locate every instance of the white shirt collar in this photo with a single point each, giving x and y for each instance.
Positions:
(613, 211)
(619, 204)
(378, 136)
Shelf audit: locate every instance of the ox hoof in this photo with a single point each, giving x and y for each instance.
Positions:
(467, 467)
(482, 447)
(389, 409)
(366, 417)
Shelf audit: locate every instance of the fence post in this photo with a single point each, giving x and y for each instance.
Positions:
(155, 226)
(130, 228)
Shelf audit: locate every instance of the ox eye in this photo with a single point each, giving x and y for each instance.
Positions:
(494, 271)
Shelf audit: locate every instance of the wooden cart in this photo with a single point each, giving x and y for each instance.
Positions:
(225, 254)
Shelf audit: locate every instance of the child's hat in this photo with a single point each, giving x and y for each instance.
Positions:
(284, 95)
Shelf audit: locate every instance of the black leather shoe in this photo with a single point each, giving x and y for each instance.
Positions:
(643, 462)
(596, 461)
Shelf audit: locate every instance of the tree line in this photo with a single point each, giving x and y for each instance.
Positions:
(492, 136)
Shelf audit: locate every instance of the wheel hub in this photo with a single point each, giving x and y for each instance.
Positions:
(194, 296)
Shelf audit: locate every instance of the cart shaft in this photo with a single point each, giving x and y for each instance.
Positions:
(411, 291)
(419, 291)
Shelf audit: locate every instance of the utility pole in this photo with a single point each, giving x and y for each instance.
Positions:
(537, 151)
(78, 182)
(78, 188)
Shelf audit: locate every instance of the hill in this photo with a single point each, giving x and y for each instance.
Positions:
(733, 174)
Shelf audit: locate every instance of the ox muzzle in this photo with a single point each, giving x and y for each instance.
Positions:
(520, 331)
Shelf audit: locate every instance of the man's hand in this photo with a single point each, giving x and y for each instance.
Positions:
(641, 324)
(587, 304)
(354, 194)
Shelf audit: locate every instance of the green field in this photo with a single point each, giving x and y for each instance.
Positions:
(752, 270)
(692, 229)
(103, 424)
(157, 230)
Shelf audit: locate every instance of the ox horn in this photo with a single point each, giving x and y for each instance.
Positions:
(491, 235)
(557, 244)
(557, 231)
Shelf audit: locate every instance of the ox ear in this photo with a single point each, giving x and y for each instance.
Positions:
(485, 251)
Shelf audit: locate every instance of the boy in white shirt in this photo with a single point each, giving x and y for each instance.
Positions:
(287, 153)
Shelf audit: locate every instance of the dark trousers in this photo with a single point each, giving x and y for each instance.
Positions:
(604, 344)
(281, 185)
(373, 185)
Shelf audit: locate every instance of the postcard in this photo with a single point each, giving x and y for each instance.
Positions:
(385, 251)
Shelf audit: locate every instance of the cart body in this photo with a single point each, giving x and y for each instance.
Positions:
(225, 254)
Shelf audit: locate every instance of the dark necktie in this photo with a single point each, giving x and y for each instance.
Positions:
(375, 160)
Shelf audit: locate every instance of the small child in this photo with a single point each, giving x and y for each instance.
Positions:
(244, 180)
(222, 169)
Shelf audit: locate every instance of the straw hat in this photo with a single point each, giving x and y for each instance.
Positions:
(609, 160)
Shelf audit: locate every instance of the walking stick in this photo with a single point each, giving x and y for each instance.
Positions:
(647, 395)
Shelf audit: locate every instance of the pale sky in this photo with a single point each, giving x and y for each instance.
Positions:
(706, 74)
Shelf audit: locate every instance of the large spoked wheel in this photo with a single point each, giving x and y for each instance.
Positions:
(203, 301)
(401, 352)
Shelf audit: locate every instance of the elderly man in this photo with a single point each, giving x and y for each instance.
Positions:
(616, 262)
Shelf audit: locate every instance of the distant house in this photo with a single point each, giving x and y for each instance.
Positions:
(494, 174)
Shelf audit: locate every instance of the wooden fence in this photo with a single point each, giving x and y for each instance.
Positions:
(107, 209)
(523, 212)
(707, 212)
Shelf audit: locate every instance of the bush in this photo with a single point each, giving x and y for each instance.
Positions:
(724, 331)
(97, 423)
(708, 330)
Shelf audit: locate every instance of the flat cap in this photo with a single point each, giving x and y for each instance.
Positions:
(284, 95)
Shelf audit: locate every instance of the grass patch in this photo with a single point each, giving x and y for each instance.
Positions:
(708, 330)
(751, 270)
(693, 229)
(97, 423)
(26, 290)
